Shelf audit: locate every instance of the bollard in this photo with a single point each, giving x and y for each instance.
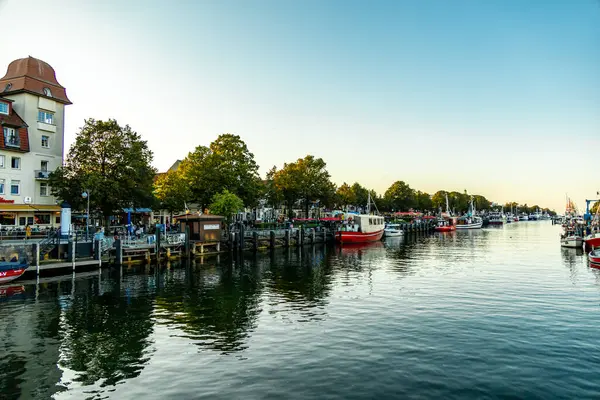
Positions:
(241, 238)
(255, 238)
(73, 251)
(312, 236)
(287, 238)
(98, 252)
(324, 235)
(300, 237)
(272, 239)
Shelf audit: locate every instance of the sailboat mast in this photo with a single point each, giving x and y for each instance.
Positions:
(369, 204)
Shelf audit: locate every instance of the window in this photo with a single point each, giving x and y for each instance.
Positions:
(46, 117)
(41, 218)
(47, 92)
(22, 221)
(15, 162)
(7, 219)
(44, 166)
(43, 189)
(3, 108)
(2, 158)
(57, 218)
(29, 220)
(8, 87)
(11, 138)
(45, 141)
(1, 186)
(15, 187)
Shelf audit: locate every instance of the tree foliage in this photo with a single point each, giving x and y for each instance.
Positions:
(345, 196)
(225, 164)
(113, 162)
(400, 196)
(226, 204)
(171, 191)
(306, 179)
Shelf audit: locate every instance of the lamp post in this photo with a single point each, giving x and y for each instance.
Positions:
(86, 195)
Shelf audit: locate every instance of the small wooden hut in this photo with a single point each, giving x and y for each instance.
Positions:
(203, 228)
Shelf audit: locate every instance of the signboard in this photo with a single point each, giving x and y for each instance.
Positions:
(212, 227)
(4, 201)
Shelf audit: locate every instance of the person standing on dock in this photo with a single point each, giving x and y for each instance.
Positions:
(27, 232)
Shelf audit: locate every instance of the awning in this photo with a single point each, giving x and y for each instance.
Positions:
(137, 210)
(29, 207)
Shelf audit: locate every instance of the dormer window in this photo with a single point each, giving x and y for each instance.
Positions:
(3, 108)
(11, 138)
(47, 92)
(8, 87)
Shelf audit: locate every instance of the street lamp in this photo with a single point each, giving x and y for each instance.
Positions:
(86, 195)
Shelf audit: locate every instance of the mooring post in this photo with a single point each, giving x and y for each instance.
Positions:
(242, 233)
(187, 241)
(300, 240)
(158, 239)
(98, 252)
(287, 238)
(118, 252)
(36, 257)
(73, 251)
(255, 238)
(324, 235)
(312, 236)
(272, 239)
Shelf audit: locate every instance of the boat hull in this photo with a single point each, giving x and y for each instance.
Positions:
(476, 225)
(445, 228)
(594, 257)
(358, 237)
(496, 222)
(9, 275)
(592, 242)
(393, 232)
(573, 242)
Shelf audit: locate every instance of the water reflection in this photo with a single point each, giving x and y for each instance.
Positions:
(214, 305)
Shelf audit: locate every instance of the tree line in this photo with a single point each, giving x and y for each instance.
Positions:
(114, 165)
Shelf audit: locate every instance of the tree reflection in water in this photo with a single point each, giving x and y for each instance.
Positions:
(105, 335)
(215, 305)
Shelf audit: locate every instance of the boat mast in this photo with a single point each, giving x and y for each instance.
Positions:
(447, 205)
(369, 204)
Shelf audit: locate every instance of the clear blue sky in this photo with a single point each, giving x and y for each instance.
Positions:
(501, 98)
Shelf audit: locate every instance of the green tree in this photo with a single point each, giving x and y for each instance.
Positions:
(481, 203)
(400, 196)
(361, 195)
(171, 191)
(345, 195)
(306, 179)
(113, 162)
(226, 204)
(225, 164)
(423, 201)
(438, 200)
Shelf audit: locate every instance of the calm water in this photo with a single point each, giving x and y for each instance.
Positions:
(495, 313)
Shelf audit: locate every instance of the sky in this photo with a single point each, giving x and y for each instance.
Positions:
(498, 97)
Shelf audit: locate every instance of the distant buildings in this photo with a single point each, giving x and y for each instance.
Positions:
(32, 104)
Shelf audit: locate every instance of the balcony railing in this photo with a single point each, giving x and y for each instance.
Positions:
(12, 141)
(41, 174)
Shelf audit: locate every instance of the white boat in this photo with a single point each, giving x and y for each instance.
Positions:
(393, 230)
(571, 241)
(469, 221)
(524, 217)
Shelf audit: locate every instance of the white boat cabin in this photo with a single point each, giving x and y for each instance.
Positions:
(363, 223)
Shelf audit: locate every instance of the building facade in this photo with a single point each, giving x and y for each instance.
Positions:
(32, 105)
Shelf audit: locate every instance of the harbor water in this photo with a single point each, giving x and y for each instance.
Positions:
(490, 313)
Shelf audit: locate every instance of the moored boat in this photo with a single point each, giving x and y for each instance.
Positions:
(594, 256)
(361, 228)
(11, 270)
(393, 230)
(469, 221)
(445, 222)
(592, 240)
(571, 241)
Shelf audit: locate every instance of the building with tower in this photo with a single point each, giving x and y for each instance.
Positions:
(32, 105)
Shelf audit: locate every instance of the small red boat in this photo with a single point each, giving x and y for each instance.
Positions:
(592, 241)
(594, 257)
(11, 272)
(446, 222)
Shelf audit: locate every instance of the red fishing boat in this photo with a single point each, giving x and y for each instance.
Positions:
(361, 228)
(446, 222)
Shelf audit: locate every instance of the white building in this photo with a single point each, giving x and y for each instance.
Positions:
(32, 106)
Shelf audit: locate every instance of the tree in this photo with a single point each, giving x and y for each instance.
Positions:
(225, 164)
(171, 191)
(226, 204)
(438, 200)
(423, 201)
(345, 196)
(481, 203)
(400, 196)
(306, 179)
(110, 161)
(361, 195)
